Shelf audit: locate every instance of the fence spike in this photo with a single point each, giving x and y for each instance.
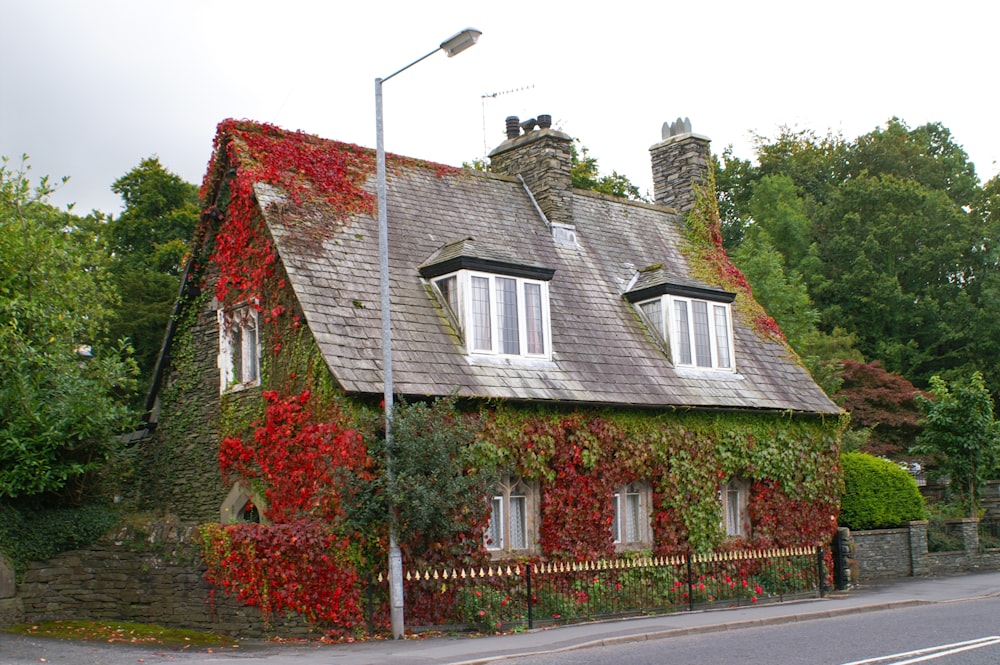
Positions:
(436, 576)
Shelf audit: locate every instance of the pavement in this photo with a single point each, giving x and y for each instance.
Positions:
(463, 650)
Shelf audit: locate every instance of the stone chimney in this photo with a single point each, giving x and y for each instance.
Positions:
(680, 161)
(542, 157)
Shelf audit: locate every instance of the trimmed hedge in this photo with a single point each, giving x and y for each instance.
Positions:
(877, 494)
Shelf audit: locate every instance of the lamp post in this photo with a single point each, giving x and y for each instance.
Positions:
(452, 46)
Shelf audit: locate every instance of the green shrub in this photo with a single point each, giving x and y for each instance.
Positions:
(38, 534)
(877, 494)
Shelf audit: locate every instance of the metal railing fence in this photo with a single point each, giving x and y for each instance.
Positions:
(507, 596)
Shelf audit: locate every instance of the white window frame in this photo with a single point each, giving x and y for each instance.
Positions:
(511, 526)
(487, 340)
(630, 525)
(735, 499)
(678, 332)
(239, 326)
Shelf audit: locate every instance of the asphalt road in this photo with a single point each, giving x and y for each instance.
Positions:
(961, 632)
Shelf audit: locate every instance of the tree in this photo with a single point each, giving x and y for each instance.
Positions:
(585, 174)
(147, 243)
(882, 403)
(892, 236)
(61, 379)
(961, 434)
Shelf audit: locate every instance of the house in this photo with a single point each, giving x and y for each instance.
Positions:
(643, 399)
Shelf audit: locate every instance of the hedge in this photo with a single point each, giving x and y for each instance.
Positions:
(878, 494)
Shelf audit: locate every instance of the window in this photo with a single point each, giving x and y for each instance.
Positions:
(498, 314)
(630, 524)
(735, 495)
(699, 330)
(511, 517)
(239, 348)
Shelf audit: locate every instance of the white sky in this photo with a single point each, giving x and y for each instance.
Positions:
(91, 88)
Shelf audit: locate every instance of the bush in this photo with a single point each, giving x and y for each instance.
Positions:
(877, 494)
(38, 534)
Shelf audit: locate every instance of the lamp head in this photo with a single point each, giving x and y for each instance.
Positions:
(461, 41)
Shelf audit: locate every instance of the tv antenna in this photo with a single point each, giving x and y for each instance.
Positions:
(494, 95)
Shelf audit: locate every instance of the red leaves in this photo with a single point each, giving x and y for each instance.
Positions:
(299, 566)
(297, 563)
(304, 166)
(296, 458)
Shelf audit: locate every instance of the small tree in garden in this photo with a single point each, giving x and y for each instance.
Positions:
(961, 434)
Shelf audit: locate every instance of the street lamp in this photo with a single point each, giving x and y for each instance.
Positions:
(452, 46)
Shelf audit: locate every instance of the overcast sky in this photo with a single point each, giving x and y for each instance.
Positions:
(91, 88)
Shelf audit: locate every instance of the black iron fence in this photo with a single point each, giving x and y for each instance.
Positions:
(508, 596)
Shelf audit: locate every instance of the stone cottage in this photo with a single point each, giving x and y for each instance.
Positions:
(644, 400)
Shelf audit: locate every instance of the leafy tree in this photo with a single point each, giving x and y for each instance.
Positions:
(147, 243)
(881, 403)
(891, 235)
(585, 174)
(59, 407)
(781, 292)
(440, 479)
(961, 434)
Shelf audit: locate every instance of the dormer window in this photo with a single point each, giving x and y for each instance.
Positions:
(499, 303)
(693, 322)
(498, 314)
(699, 330)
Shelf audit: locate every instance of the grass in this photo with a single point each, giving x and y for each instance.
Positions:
(123, 631)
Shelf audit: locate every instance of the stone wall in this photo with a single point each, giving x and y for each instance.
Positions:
(151, 574)
(177, 467)
(888, 553)
(882, 553)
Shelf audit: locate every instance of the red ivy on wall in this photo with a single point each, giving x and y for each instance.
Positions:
(303, 167)
(299, 566)
(296, 459)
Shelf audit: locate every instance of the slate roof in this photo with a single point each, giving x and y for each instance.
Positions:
(602, 354)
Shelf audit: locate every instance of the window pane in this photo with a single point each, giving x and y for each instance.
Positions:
(654, 312)
(494, 532)
(733, 512)
(632, 517)
(682, 331)
(250, 361)
(702, 339)
(518, 523)
(448, 289)
(533, 314)
(722, 335)
(482, 337)
(507, 315)
(616, 532)
(236, 348)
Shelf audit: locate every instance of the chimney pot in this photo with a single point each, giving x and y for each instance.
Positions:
(544, 121)
(513, 127)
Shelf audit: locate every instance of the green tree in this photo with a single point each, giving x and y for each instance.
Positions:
(147, 243)
(61, 379)
(585, 174)
(892, 236)
(961, 435)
